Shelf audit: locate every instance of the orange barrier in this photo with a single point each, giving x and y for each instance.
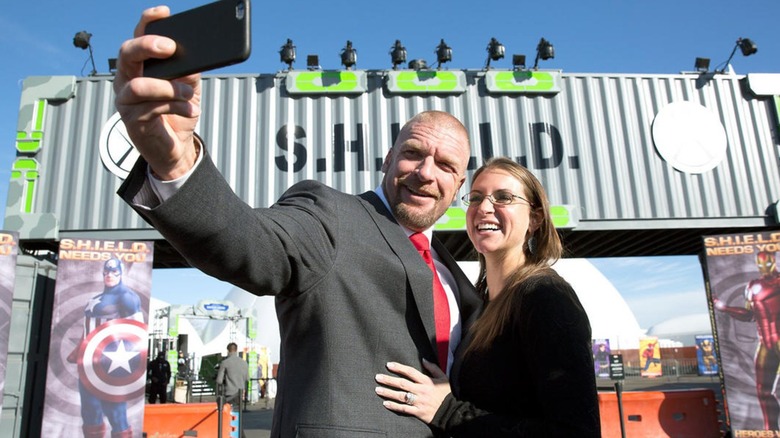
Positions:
(173, 420)
(652, 414)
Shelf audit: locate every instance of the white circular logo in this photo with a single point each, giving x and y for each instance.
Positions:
(689, 137)
(116, 150)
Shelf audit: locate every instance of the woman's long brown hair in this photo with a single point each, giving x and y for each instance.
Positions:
(548, 250)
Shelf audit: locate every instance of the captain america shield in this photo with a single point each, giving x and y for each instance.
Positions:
(112, 360)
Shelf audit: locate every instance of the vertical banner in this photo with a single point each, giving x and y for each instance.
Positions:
(251, 322)
(601, 353)
(173, 323)
(705, 355)
(650, 357)
(743, 289)
(254, 383)
(98, 353)
(263, 369)
(8, 250)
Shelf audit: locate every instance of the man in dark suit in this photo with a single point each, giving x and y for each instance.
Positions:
(352, 292)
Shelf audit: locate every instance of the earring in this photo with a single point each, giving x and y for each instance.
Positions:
(532, 245)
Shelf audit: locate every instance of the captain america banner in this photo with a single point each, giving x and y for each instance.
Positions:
(8, 250)
(98, 352)
(744, 297)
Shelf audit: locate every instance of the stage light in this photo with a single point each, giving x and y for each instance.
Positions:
(443, 53)
(495, 51)
(313, 62)
(348, 55)
(518, 62)
(81, 40)
(112, 65)
(746, 46)
(702, 65)
(397, 54)
(544, 51)
(418, 64)
(287, 53)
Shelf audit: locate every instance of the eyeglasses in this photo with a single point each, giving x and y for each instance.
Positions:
(499, 197)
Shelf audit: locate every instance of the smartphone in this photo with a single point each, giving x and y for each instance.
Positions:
(207, 37)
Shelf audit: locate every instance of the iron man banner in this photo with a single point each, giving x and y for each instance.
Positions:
(98, 353)
(744, 296)
(8, 250)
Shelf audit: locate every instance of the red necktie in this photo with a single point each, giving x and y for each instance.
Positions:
(441, 309)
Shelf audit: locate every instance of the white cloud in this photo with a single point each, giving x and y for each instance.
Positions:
(651, 309)
(638, 276)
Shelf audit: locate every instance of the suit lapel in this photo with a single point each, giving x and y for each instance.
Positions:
(457, 362)
(419, 276)
(470, 305)
(468, 301)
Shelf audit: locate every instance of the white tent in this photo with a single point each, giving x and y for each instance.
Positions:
(610, 316)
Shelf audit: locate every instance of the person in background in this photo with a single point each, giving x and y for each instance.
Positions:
(160, 374)
(351, 288)
(232, 375)
(528, 366)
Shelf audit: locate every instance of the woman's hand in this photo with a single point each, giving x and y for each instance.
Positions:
(413, 393)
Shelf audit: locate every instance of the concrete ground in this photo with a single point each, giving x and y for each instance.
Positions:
(257, 419)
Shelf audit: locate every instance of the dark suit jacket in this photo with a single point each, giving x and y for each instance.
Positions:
(352, 292)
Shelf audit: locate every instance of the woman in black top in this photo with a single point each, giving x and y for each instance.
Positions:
(527, 367)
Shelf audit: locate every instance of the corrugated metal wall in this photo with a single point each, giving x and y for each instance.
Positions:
(28, 348)
(264, 139)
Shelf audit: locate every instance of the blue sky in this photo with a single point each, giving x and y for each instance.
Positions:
(608, 36)
(657, 288)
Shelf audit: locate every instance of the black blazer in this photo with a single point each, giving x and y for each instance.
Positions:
(352, 292)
